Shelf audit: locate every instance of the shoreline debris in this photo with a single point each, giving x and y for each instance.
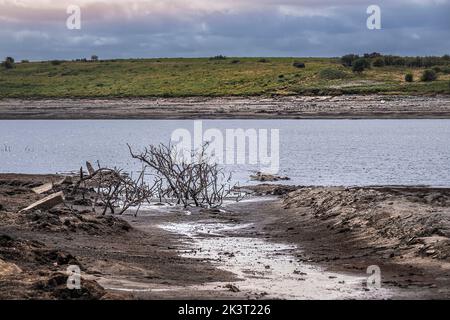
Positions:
(47, 203)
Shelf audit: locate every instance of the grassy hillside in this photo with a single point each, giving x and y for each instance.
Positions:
(206, 77)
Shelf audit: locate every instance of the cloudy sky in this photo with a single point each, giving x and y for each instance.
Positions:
(36, 29)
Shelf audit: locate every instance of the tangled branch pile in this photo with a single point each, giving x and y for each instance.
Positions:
(190, 181)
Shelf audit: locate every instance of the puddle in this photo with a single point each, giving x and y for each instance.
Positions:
(267, 269)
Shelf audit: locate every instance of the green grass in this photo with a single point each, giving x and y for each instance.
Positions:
(205, 77)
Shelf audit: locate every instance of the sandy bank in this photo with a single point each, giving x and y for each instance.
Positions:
(289, 107)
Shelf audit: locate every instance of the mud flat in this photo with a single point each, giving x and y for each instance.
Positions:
(278, 107)
(281, 243)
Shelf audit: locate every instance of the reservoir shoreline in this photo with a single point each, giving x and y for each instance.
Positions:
(276, 107)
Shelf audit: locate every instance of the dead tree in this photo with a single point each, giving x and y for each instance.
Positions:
(194, 181)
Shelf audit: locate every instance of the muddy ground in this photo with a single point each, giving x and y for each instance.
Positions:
(279, 107)
(281, 243)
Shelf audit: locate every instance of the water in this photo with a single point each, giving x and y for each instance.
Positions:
(268, 267)
(312, 152)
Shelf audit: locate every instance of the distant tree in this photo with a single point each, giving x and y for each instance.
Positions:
(379, 62)
(372, 55)
(437, 69)
(218, 57)
(348, 59)
(8, 63)
(367, 64)
(428, 75)
(359, 65)
(409, 77)
(55, 62)
(445, 70)
(94, 58)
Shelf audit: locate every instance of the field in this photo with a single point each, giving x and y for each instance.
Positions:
(207, 77)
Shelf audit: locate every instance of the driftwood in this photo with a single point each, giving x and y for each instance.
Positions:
(46, 203)
(115, 189)
(198, 182)
(46, 187)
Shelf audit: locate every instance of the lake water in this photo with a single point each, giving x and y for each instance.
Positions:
(312, 152)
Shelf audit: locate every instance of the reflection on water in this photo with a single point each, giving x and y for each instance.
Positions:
(312, 152)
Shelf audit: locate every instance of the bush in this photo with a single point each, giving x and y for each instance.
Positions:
(359, 65)
(298, 64)
(55, 62)
(409, 77)
(379, 62)
(94, 58)
(332, 74)
(372, 55)
(348, 59)
(25, 61)
(219, 57)
(263, 60)
(235, 61)
(429, 75)
(7, 64)
(445, 70)
(367, 64)
(437, 69)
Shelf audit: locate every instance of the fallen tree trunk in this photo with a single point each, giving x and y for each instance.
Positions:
(46, 203)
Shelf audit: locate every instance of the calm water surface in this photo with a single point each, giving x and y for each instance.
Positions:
(312, 152)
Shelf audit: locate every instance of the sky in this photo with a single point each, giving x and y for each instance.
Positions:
(37, 29)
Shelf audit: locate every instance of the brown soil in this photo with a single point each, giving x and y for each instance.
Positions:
(405, 231)
(37, 247)
(289, 107)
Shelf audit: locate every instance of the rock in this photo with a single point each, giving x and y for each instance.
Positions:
(259, 176)
(46, 203)
(7, 269)
(232, 288)
(56, 285)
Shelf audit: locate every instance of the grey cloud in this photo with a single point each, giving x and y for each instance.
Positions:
(261, 30)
